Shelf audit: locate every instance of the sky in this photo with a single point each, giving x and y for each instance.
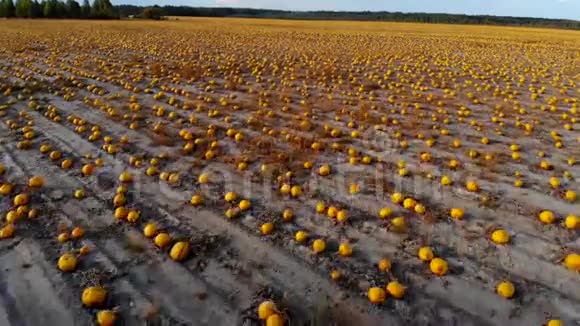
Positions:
(569, 9)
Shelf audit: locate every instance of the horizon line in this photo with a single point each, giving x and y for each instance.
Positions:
(350, 11)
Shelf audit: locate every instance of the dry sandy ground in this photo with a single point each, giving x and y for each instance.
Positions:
(232, 266)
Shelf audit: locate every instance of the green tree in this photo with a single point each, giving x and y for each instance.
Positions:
(3, 11)
(6, 8)
(86, 9)
(102, 9)
(36, 11)
(23, 8)
(61, 10)
(151, 13)
(49, 10)
(73, 8)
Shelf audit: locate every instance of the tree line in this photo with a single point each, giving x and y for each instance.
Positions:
(105, 10)
(99, 9)
(127, 10)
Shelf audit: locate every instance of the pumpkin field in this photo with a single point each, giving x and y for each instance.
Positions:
(201, 171)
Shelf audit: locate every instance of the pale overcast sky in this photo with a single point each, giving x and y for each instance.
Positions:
(529, 8)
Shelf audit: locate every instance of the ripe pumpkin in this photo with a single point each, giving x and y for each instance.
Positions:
(318, 246)
(21, 199)
(162, 240)
(301, 236)
(79, 194)
(275, 320)
(244, 204)
(457, 213)
(385, 212)
(320, 207)
(35, 182)
(133, 216)
(420, 209)
(121, 212)
(232, 212)
(66, 164)
(384, 265)
(63, 237)
(572, 262)
(377, 295)
(94, 297)
(287, 215)
(342, 216)
(84, 250)
(332, 212)
(267, 309)
(150, 230)
(77, 233)
(572, 222)
(397, 198)
(7, 231)
(324, 170)
(151, 171)
(33, 213)
(87, 169)
(6, 189)
(203, 178)
(500, 236)
(335, 274)
(570, 195)
(230, 196)
(425, 254)
(547, 217)
(106, 318)
(472, 186)
(438, 266)
(399, 224)
(396, 289)
(295, 191)
(179, 251)
(554, 182)
(55, 155)
(409, 203)
(506, 289)
(345, 250)
(125, 177)
(22, 210)
(12, 216)
(67, 262)
(267, 228)
(119, 200)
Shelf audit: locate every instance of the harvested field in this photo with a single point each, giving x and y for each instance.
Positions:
(352, 173)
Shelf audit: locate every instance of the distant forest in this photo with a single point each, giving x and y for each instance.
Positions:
(99, 9)
(127, 10)
(103, 9)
